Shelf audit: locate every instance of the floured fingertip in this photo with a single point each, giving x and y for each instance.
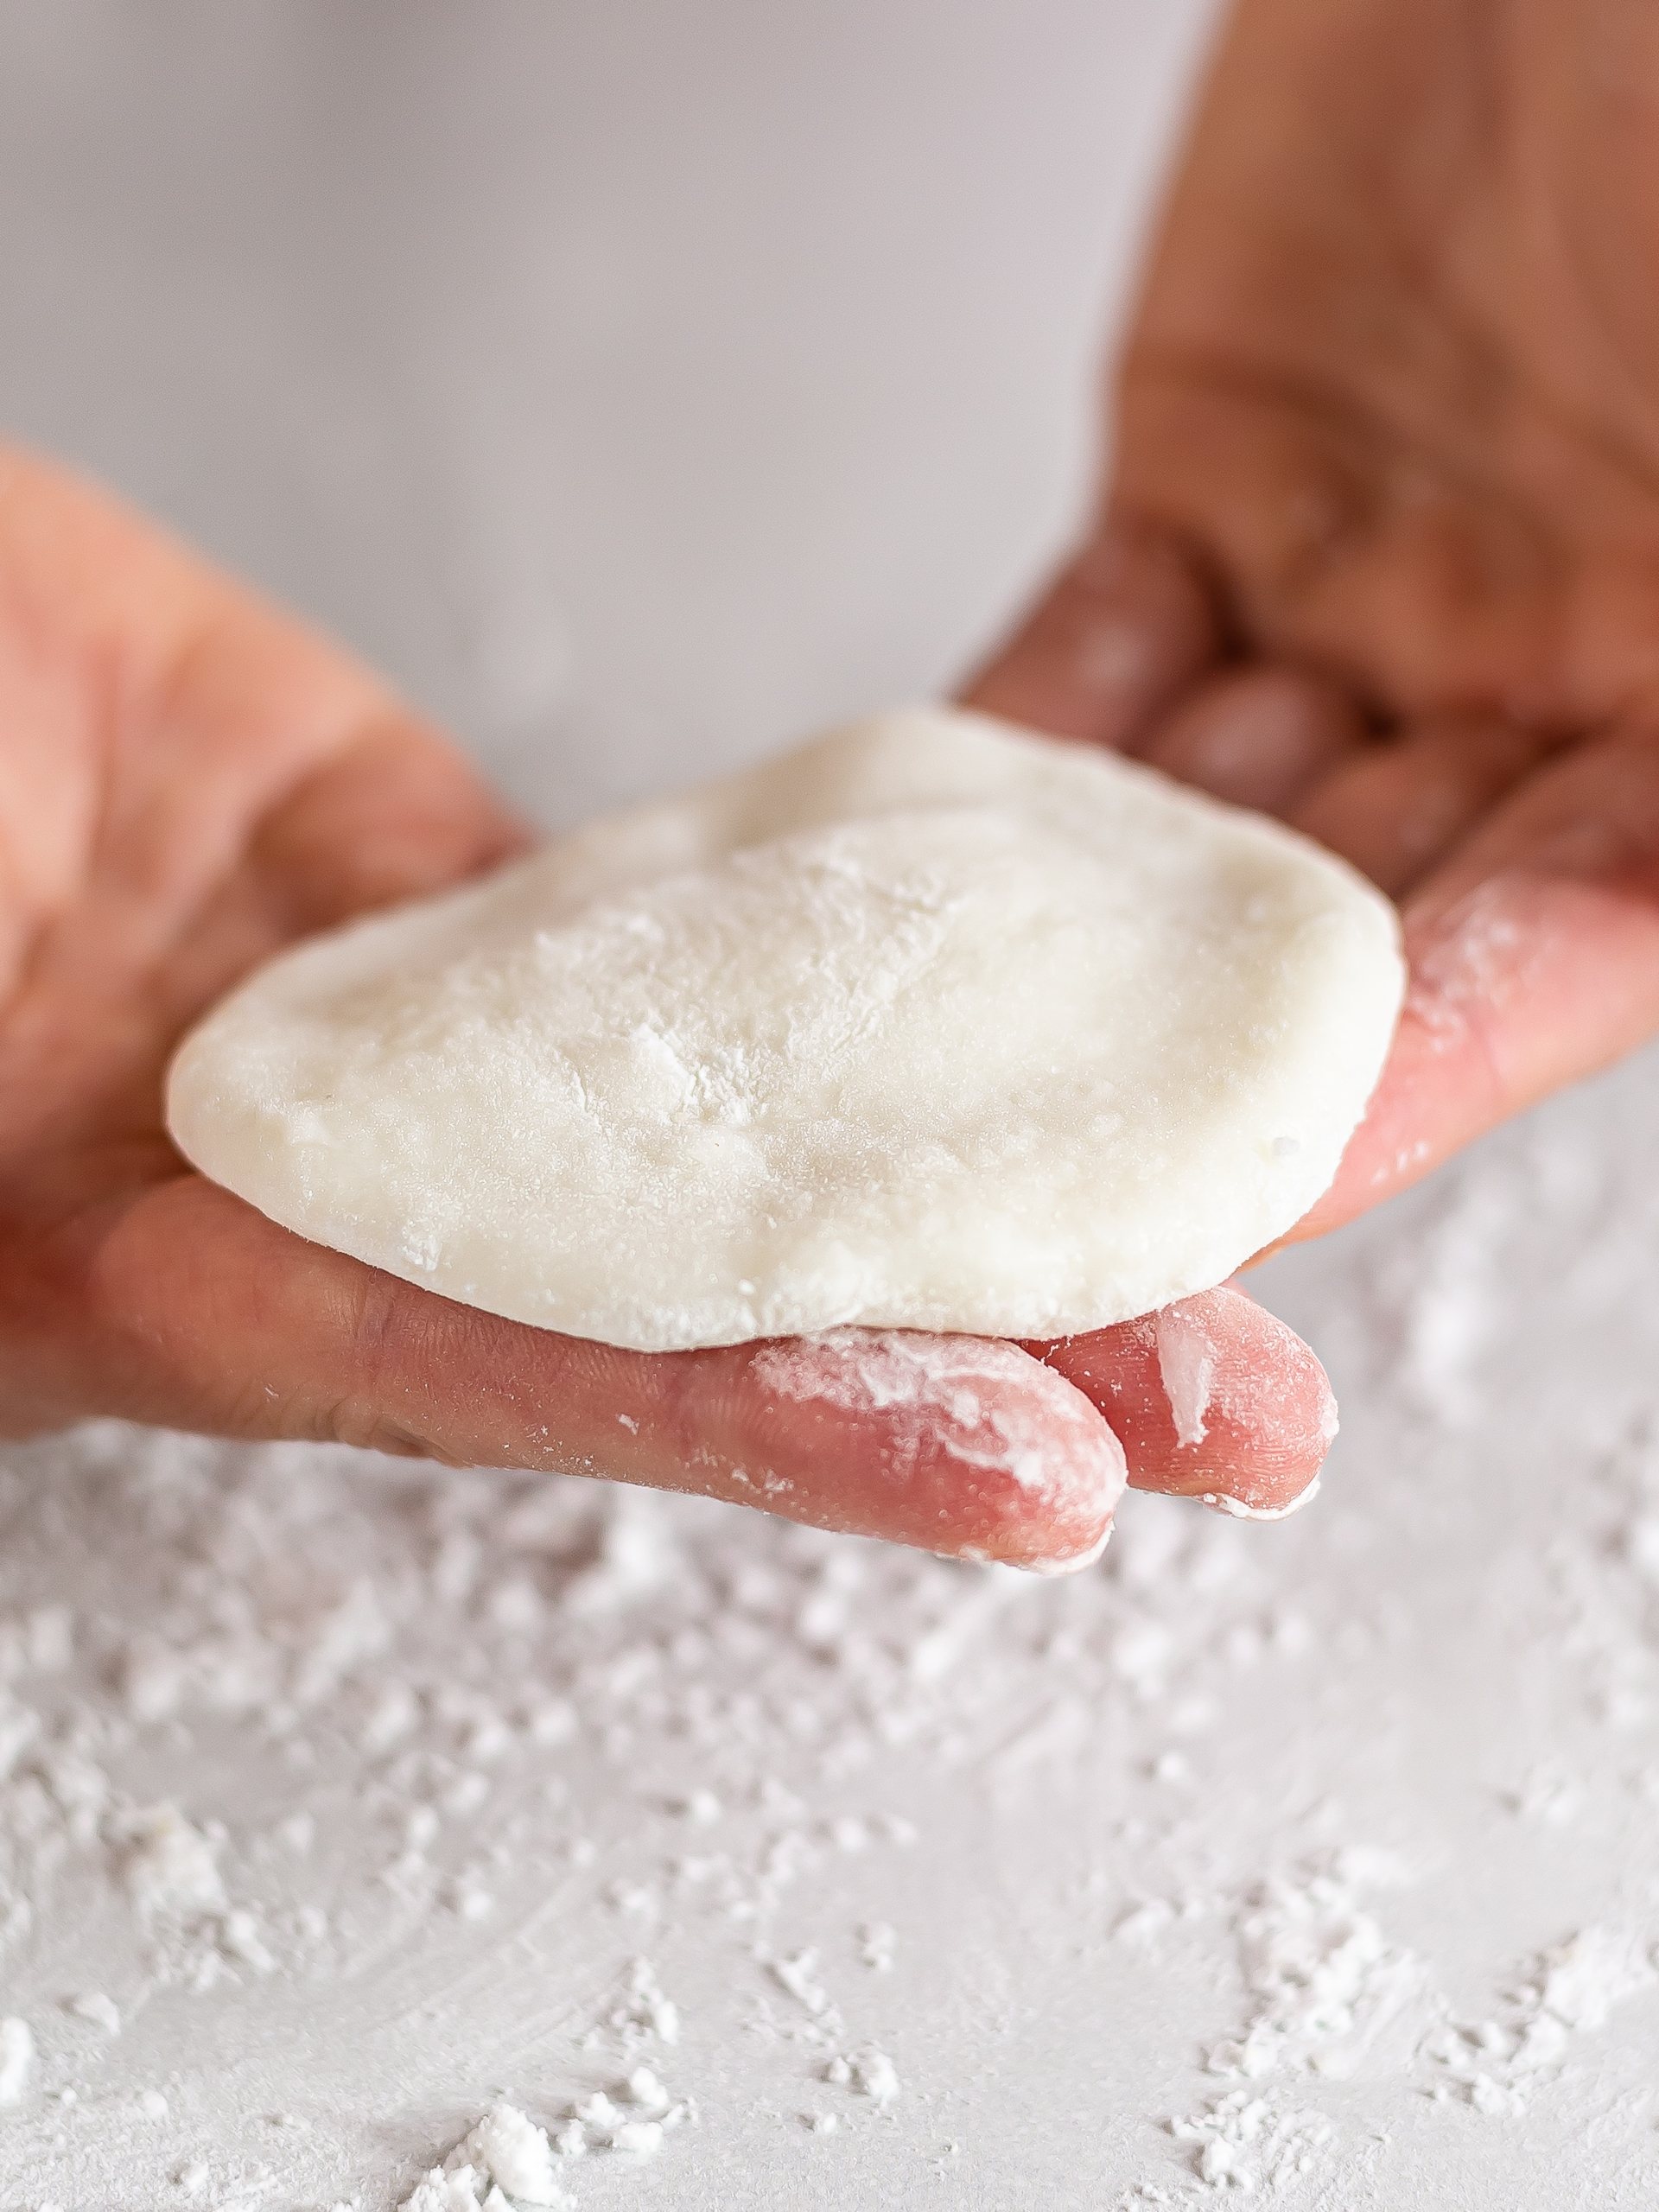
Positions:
(1071, 1563)
(1212, 1396)
(1219, 1501)
(964, 1444)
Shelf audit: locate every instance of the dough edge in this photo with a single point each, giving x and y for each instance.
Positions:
(198, 1121)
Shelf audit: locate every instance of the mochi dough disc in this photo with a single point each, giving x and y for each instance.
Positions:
(933, 1024)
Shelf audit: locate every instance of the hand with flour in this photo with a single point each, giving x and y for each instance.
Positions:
(188, 782)
(1382, 555)
(1382, 550)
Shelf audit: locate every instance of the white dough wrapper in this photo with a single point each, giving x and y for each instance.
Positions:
(933, 1024)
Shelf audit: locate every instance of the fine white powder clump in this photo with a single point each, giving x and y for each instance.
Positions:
(1244, 2142)
(103, 2011)
(1325, 1979)
(439, 2191)
(17, 2056)
(1498, 2065)
(170, 1866)
(934, 1024)
(505, 2159)
(1186, 1367)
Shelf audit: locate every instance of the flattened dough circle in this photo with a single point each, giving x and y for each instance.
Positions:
(933, 1024)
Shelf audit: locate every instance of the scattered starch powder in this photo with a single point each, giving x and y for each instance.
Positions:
(697, 1741)
(1497, 2065)
(93, 2005)
(505, 2156)
(443, 2191)
(17, 2056)
(171, 1866)
(875, 2075)
(1326, 1978)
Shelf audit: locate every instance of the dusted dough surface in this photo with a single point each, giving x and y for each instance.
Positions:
(932, 1024)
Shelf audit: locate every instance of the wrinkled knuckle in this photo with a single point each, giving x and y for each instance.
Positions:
(359, 1422)
(378, 1315)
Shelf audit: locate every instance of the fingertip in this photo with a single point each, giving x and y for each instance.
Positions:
(963, 1446)
(958, 1444)
(1052, 1566)
(1213, 1398)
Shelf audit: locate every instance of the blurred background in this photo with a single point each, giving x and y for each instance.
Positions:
(639, 385)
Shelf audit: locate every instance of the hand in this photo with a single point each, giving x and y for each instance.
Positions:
(189, 782)
(1382, 554)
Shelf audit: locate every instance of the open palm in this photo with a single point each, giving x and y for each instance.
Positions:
(188, 782)
(1382, 551)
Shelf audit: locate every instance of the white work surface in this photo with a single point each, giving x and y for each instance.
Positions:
(644, 384)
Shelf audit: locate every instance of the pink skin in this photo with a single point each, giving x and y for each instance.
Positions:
(1019, 1455)
(1119, 636)
(1391, 388)
(1529, 868)
(1260, 737)
(1269, 1416)
(1397, 808)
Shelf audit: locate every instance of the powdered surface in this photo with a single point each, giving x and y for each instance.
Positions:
(365, 1823)
(932, 1024)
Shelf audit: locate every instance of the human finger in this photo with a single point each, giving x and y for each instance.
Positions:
(1110, 643)
(1213, 1397)
(196, 1312)
(1258, 737)
(1396, 810)
(1533, 959)
(191, 1310)
(192, 777)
